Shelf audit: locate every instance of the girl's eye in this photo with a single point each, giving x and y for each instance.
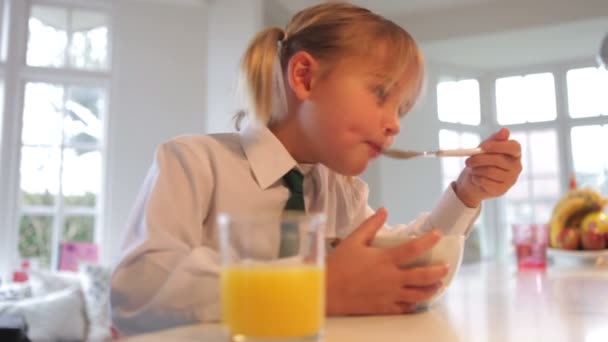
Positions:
(381, 92)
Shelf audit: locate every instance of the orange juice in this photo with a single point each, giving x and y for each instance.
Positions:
(273, 301)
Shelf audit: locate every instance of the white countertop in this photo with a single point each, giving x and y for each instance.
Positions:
(486, 302)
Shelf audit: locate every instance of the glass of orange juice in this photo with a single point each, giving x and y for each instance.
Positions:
(273, 276)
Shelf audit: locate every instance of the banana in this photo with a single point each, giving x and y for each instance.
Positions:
(573, 206)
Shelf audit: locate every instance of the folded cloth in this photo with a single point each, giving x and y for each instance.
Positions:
(13, 328)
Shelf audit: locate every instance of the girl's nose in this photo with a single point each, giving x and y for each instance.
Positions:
(391, 126)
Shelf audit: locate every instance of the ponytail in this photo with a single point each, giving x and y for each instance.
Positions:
(261, 77)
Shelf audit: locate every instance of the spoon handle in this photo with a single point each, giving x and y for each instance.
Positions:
(460, 152)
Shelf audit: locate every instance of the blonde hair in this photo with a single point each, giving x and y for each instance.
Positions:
(329, 32)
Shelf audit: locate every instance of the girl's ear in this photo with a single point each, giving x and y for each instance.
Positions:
(301, 71)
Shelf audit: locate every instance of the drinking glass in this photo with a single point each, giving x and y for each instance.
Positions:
(273, 276)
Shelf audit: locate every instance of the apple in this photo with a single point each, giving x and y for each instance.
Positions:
(592, 239)
(596, 221)
(569, 238)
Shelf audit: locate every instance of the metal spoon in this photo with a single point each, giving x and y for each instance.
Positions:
(407, 154)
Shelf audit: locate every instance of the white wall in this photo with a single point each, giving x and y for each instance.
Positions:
(158, 91)
(232, 24)
(275, 14)
(499, 16)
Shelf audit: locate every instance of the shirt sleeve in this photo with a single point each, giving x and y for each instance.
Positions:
(449, 215)
(168, 273)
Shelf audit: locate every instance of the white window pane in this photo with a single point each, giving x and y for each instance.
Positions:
(507, 98)
(455, 139)
(446, 100)
(83, 116)
(543, 152)
(42, 113)
(587, 92)
(458, 102)
(519, 212)
(448, 138)
(540, 97)
(81, 177)
(469, 102)
(520, 190)
(89, 46)
(588, 144)
(530, 98)
(469, 140)
(450, 167)
(39, 175)
(542, 212)
(546, 187)
(48, 39)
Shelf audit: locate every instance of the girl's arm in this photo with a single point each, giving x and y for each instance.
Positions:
(168, 273)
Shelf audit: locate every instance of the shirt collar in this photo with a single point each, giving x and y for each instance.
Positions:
(268, 158)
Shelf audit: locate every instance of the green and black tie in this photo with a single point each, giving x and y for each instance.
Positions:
(290, 239)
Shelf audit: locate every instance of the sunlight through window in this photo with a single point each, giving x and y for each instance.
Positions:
(458, 102)
(529, 98)
(587, 92)
(590, 163)
(60, 37)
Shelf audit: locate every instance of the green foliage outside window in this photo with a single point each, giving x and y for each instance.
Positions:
(35, 231)
(35, 234)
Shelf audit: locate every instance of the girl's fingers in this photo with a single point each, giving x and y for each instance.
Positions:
(423, 276)
(414, 248)
(500, 161)
(491, 173)
(418, 294)
(510, 147)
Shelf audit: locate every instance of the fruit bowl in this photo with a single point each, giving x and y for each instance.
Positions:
(578, 257)
(449, 249)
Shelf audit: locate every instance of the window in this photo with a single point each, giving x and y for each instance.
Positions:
(58, 168)
(529, 104)
(532, 198)
(521, 99)
(587, 92)
(459, 114)
(589, 157)
(451, 167)
(458, 102)
(61, 37)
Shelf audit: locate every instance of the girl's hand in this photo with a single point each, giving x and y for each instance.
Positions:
(492, 173)
(364, 280)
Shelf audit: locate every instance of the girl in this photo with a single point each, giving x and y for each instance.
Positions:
(325, 96)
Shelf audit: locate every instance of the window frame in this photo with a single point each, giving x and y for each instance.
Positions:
(16, 74)
(486, 236)
(496, 231)
(562, 125)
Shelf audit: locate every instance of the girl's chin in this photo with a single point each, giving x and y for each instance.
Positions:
(350, 168)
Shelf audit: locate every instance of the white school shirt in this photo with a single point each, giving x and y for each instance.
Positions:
(167, 274)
